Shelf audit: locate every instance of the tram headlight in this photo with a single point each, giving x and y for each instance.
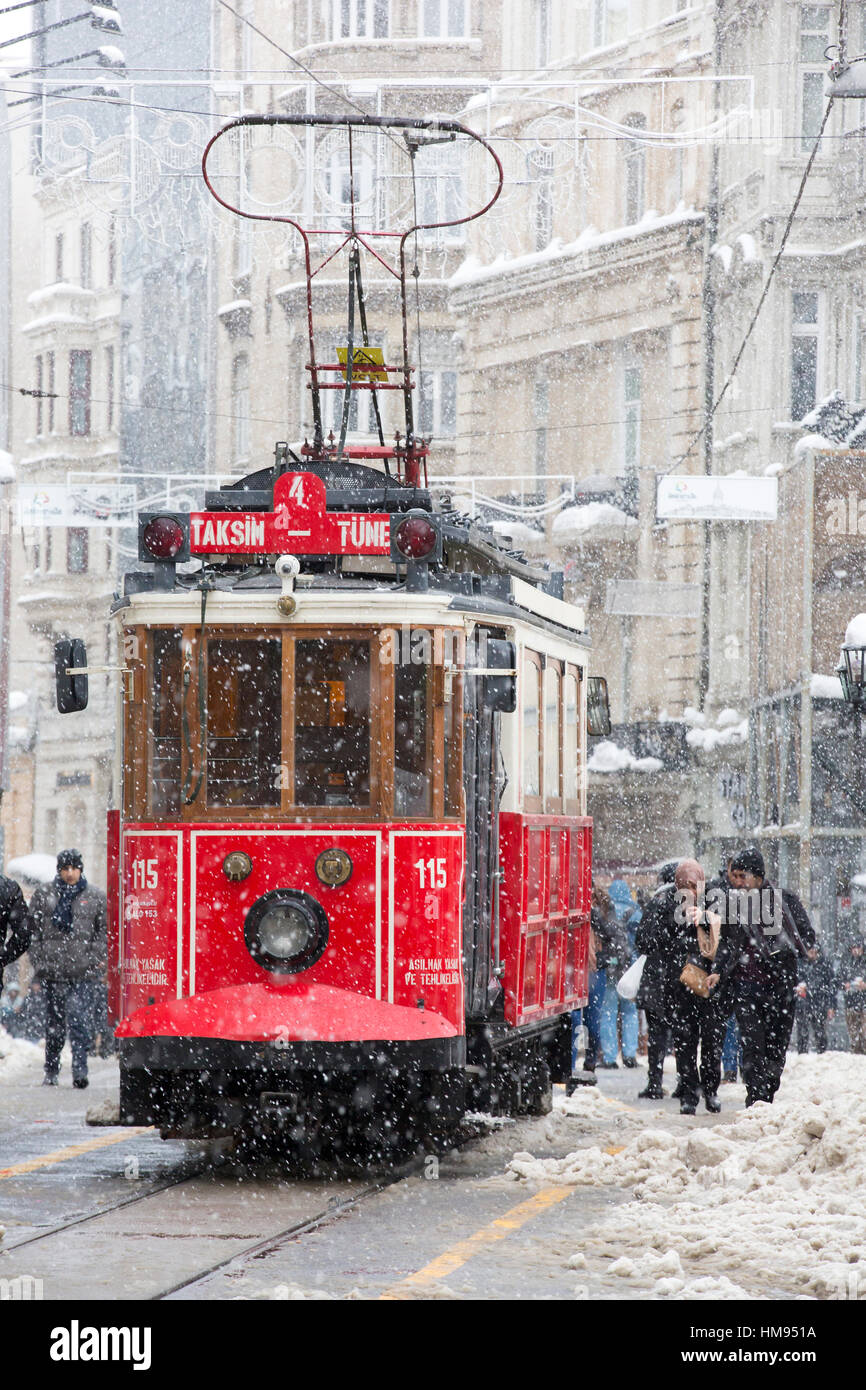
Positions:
(163, 536)
(415, 536)
(286, 931)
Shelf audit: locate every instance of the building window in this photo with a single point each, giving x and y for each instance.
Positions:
(109, 388)
(858, 360)
(631, 392)
(635, 172)
(86, 265)
(540, 415)
(241, 405)
(49, 363)
(804, 353)
(76, 550)
(609, 21)
(112, 250)
(444, 19)
(39, 399)
(58, 257)
(815, 36)
(437, 406)
(361, 19)
(439, 191)
(542, 33)
(79, 392)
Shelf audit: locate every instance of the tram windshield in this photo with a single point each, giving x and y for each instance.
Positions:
(332, 723)
(300, 724)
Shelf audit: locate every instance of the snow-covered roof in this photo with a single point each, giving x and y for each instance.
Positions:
(825, 687)
(33, 868)
(473, 270)
(516, 531)
(610, 757)
(855, 632)
(708, 739)
(575, 522)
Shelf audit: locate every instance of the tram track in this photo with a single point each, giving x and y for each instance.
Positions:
(132, 1199)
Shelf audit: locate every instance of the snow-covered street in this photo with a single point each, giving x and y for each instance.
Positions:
(605, 1198)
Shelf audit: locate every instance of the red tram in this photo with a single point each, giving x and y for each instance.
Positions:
(350, 869)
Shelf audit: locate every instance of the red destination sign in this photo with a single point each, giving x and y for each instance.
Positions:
(300, 524)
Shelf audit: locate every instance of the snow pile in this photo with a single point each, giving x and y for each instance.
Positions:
(855, 632)
(574, 522)
(17, 1057)
(723, 735)
(771, 1200)
(610, 757)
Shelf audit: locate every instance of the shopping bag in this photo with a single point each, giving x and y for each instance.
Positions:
(629, 984)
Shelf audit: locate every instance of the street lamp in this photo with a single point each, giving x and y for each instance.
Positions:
(852, 668)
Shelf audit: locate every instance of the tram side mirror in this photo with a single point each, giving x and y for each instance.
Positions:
(500, 692)
(597, 707)
(70, 658)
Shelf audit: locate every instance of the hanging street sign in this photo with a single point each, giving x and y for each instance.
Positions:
(708, 498)
(78, 505)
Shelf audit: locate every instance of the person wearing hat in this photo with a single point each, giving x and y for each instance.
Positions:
(69, 955)
(766, 933)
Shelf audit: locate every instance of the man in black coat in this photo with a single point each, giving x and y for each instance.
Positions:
(15, 924)
(816, 997)
(758, 954)
(69, 955)
(654, 938)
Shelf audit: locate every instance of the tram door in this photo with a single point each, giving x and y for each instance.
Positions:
(484, 778)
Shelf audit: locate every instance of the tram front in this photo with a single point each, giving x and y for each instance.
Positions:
(289, 859)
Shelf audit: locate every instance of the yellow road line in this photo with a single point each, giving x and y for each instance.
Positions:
(464, 1250)
(61, 1155)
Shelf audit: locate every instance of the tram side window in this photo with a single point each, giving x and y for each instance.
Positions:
(552, 736)
(332, 723)
(571, 712)
(413, 782)
(531, 725)
(165, 730)
(244, 703)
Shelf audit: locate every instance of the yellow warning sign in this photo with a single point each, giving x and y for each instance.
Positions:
(367, 363)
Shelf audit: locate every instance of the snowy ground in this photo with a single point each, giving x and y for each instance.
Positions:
(764, 1203)
(771, 1201)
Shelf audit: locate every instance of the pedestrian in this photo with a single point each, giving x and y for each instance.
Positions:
(852, 975)
(696, 1021)
(767, 931)
(654, 938)
(719, 897)
(15, 924)
(69, 956)
(614, 958)
(816, 995)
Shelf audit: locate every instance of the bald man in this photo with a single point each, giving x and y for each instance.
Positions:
(696, 1022)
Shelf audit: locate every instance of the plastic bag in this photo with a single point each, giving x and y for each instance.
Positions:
(629, 984)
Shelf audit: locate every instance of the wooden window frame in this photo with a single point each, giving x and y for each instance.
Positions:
(574, 806)
(554, 805)
(531, 803)
(137, 739)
